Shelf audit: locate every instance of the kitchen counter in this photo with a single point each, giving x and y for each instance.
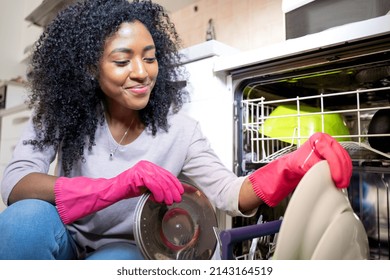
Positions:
(206, 49)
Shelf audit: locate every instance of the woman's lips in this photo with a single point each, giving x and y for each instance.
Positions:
(138, 89)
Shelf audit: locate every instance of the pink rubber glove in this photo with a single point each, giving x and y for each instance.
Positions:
(80, 196)
(273, 182)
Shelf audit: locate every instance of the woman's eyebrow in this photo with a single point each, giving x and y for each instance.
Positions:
(130, 51)
(121, 50)
(150, 47)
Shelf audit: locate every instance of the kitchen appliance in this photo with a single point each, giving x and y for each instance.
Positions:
(343, 70)
(304, 17)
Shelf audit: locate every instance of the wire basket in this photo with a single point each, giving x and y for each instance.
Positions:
(265, 147)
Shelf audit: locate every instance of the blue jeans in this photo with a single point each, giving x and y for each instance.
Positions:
(31, 229)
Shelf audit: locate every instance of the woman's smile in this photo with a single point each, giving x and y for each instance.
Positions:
(138, 89)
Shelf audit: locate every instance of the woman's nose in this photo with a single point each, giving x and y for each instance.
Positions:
(138, 70)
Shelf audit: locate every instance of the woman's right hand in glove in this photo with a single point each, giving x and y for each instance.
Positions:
(80, 196)
(276, 180)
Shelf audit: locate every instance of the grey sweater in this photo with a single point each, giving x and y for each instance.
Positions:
(183, 150)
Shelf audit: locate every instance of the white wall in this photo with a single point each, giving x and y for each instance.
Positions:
(15, 34)
(241, 24)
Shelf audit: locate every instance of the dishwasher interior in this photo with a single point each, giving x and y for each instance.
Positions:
(341, 90)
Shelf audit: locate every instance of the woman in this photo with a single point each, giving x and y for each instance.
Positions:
(104, 97)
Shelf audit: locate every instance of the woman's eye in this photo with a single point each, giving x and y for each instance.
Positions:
(121, 62)
(150, 59)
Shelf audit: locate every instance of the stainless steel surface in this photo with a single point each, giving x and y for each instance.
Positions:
(180, 231)
(369, 194)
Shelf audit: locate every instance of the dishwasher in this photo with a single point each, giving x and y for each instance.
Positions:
(336, 81)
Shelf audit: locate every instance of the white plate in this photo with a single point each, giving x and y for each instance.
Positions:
(318, 217)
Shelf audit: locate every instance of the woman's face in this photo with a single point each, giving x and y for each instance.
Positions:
(128, 66)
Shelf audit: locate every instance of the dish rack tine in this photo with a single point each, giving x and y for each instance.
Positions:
(253, 247)
(217, 233)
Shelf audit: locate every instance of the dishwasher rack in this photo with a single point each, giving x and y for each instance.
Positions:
(265, 149)
(369, 189)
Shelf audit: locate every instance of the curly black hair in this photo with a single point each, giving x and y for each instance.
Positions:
(65, 93)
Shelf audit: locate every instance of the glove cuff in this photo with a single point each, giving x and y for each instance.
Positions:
(273, 182)
(58, 197)
(78, 197)
(258, 189)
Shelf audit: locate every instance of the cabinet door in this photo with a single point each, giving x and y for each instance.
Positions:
(15, 95)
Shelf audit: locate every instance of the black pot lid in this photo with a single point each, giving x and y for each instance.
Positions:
(179, 231)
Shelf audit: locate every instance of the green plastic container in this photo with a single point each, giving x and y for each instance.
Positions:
(283, 123)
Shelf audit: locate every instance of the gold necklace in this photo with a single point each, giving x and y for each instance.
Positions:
(112, 152)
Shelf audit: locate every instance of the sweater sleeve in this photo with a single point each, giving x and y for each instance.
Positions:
(205, 169)
(25, 160)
